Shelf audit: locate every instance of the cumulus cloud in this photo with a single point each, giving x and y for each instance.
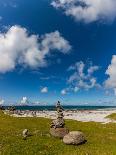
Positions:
(44, 90)
(87, 10)
(1, 101)
(24, 100)
(17, 47)
(82, 76)
(63, 91)
(110, 83)
(76, 89)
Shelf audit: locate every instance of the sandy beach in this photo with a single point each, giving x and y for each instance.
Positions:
(79, 115)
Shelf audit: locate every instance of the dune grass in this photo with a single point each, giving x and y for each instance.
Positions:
(112, 116)
(101, 139)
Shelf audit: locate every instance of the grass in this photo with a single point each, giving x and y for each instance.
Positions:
(101, 139)
(112, 116)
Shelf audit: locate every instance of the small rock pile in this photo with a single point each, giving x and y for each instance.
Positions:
(58, 129)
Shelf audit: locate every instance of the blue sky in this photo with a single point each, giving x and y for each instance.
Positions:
(58, 50)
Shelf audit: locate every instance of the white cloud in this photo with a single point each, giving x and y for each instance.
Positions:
(64, 92)
(1, 101)
(92, 69)
(24, 100)
(82, 76)
(44, 90)
(107, 92)
(110, 83)
(87, 10)
(76, 89)
(17, 47)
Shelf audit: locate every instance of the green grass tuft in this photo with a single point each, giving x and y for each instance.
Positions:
(112, 116)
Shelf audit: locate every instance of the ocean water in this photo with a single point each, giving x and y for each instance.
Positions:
(66, 107)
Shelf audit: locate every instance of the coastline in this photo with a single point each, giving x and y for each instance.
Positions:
(98, 115)
(66, 107)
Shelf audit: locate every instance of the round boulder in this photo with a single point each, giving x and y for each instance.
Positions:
(74, 138)
(59, 132)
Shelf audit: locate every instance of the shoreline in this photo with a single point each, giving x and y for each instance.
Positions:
(66, 107)
(78, 115)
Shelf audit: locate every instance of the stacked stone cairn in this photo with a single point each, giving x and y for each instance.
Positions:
(58, 129)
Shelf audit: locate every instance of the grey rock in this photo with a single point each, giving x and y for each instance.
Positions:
(74, 138)
(58, 123)
(59, 132)
(25, 133)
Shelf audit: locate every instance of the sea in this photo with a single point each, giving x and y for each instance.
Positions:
(65, 107)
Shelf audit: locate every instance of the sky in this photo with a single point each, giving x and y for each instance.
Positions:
(58, 50)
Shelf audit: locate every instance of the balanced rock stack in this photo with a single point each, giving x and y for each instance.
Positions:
(57, 127)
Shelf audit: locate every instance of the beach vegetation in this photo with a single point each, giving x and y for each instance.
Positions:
(112, 116)
(101, 138)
